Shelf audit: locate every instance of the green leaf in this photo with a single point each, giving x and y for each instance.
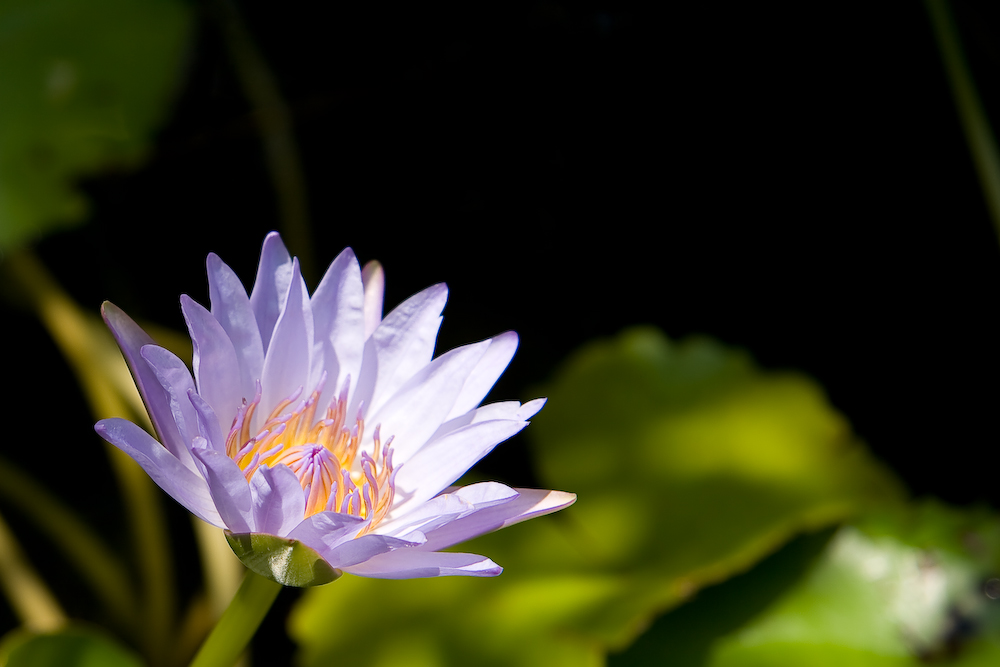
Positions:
(72, 647)
(285, 561)
(84, 84)
(690, 465)
(684, 636)
(902, 587)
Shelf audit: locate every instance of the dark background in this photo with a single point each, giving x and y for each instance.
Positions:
(792, 180)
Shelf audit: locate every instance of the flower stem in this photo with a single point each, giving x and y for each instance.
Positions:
(971, 113)
(238, 623)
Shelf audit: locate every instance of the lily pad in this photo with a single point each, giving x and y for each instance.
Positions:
(898, 588)
(84, 84)
(690, 465)
(287, 562)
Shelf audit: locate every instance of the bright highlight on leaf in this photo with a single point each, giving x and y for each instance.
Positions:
(902, 588)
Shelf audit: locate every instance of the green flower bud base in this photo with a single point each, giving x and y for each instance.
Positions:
(287, 562)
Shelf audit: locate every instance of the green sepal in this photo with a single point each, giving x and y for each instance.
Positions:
(285, 561)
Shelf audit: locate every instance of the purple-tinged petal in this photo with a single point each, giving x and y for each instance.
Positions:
(339, 320)
(529, 503)
(278, 501)
(493, 362)
(176, 381)
(216, 369)
(131, 338)
(441, 462)
(501, 410)
(426, 517)
(453, 504)
(270, 289)
(352, 552)
(373, 278)
(508, 410)
(231, 307)
(180, 483)
(208, 424)
(286, 364)
(229, 489)
(416, 411)
(485, 494)
(414, 564)
(325, 530)
(401, 345)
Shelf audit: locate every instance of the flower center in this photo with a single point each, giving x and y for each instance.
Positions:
(323, 453)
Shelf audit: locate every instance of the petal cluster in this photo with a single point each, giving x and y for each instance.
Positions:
(272, 433)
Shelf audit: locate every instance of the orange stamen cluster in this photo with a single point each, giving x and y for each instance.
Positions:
(321, 452)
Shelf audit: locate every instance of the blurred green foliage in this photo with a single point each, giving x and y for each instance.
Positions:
(690, 465)
(85, 83)
(902, 587)
(71, 647)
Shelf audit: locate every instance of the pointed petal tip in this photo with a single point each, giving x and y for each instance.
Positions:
(348, 253)
(113, 315)
(531, 408)
(438, 290)
(561, 499)
(493, 570)
(509, 336)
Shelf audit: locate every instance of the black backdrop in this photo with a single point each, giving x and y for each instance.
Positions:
(790, 179)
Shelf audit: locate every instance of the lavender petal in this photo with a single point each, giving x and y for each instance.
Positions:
(216, 369)
(180, 483)
(414, 564)
(274, 275)
(231, 307)
(278, 502)
(229, 489)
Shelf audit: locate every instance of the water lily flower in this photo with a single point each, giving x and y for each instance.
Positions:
(313, 420)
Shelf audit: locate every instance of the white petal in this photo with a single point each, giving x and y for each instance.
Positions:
(373, 278)
(231, 307)
(441, 462)
(427, 516)
(487, 371)
(352, 552)
(501, 410)
(274, 275)
(339, 320)
(401, 345)
(286, 364)
(325, 530)
(528, 504)
(416, 411)
(414, 564)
